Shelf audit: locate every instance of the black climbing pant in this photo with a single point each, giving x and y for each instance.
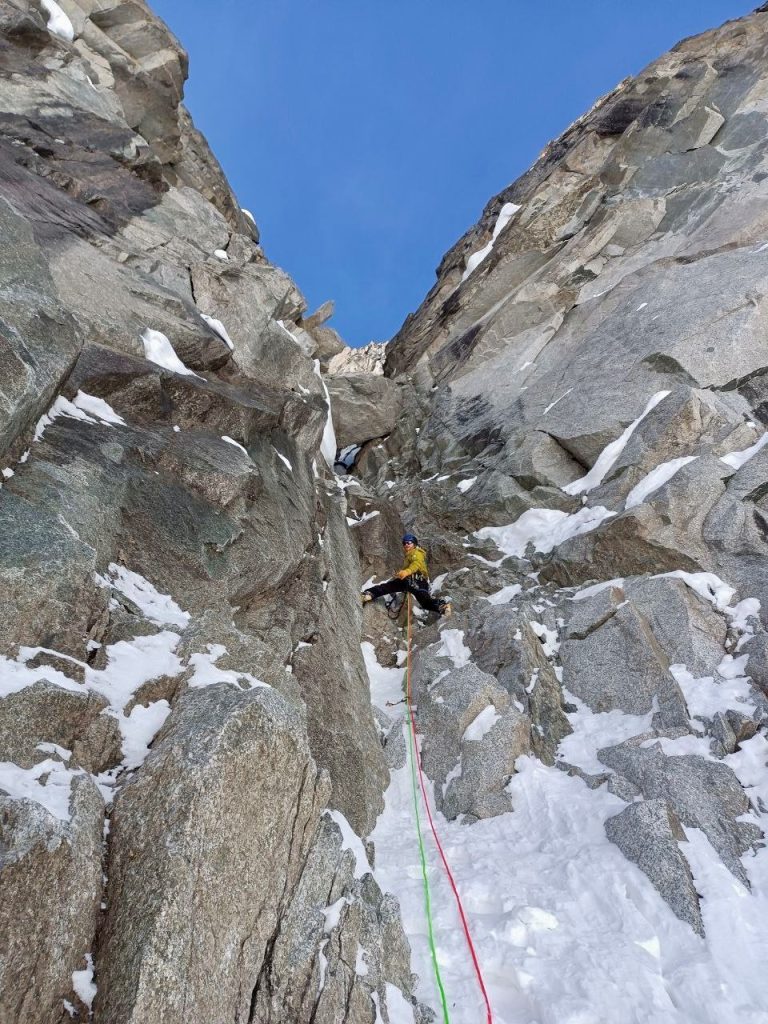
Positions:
(417, 586)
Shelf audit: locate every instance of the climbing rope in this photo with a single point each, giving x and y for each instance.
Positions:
(422, 856)
(416, 765)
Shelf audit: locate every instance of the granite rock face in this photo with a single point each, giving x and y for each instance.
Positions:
(648, 833)
(183, 699)
(579, 445)
(572, 423)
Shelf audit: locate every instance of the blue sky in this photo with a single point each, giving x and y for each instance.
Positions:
(367, 135)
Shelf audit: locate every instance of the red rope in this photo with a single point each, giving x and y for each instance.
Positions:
(462, 915)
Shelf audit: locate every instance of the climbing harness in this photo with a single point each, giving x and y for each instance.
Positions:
(416, 767)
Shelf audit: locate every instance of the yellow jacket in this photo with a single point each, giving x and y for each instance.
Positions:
(415, 563)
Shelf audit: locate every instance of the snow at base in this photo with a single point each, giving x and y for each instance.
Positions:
(158, 349)
(567, 930)
(58, 22)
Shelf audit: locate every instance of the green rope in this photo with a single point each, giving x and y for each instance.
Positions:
(422, 855)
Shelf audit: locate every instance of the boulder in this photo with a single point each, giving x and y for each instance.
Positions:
(340, 941)
(649, 834)
(620, 664)
(45, 713)
(702, 794)
(364, 407)
(192, 886)
(473, 736)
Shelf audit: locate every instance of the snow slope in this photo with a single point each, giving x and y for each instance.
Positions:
(567, 930)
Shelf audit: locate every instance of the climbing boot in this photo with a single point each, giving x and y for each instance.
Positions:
(446, 609)
(366, 598)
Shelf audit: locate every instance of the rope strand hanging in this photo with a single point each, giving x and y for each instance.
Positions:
(416, 766)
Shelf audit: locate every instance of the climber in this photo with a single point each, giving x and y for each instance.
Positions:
(413, 578)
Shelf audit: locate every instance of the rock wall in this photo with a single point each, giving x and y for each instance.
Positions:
(573, 422)
(188, 754)
(580, 444)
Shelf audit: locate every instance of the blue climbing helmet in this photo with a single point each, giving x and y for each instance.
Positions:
(409, 538)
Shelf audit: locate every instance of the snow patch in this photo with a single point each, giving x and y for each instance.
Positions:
(553, 404)
(597, 588)
(346, 456)
(719, 594)
(361, 967)
(218, 328)
(58, 22)
(207, 673)
(83, 983)
(157, 607)
(506, 213)
(481, 725)
(351, 521)
(505, 595)
(98, 408)
(593, 731)
(158, 350)
(328, 446)
(283, 458)
(61, 407)
(544, 528)
(399, 1010)
(452, 646)
(737, 459)
(705, 697)
(48, 783)
(386, 683)
(350, 840)
(656, 479)
(231, 440)
(609, 455)
(549, 641)
(140, 729)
